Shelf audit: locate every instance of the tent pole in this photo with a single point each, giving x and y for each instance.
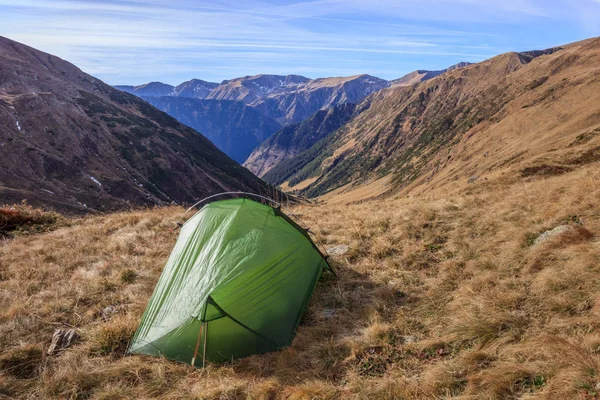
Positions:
(204, 347)
(198, 344)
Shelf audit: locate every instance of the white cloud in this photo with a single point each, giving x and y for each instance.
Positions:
(181, 39)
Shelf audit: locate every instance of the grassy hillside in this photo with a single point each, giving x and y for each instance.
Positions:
(70, 141)
(439, 296)
(470, 122)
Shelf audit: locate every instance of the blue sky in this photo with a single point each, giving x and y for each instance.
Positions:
(134, 41)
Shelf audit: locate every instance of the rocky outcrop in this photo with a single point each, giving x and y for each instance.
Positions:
(61, 339)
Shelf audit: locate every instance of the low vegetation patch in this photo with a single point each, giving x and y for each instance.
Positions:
(537, 82)
(545, 170)
(21, 362)
(22, 219)
(585, 137)
(112, 338)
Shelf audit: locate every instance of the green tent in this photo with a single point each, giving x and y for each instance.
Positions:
(237, 283)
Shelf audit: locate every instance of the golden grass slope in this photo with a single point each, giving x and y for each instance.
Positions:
(439, 297)
(479, 121)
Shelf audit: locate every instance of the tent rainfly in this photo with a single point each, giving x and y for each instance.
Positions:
(237, 283)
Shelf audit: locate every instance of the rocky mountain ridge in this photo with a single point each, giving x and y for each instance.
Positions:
(284, 98)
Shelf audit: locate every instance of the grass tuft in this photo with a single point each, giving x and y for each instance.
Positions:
(22, 363)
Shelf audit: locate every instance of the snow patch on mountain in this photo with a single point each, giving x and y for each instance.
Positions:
(96, 181)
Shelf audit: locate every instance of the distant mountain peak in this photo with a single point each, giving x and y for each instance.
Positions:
(285, 98)
(194, 88)
(154, 83)
(461, 64)
(148, 89)
(421, 75)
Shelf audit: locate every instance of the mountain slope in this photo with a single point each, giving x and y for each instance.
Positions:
(296, 138)
(233, 127)
(503, 113)
(71, 141)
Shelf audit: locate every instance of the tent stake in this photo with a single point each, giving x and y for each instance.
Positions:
(204, 349)
(198, 344)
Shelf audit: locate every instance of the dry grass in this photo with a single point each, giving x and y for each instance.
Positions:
(437, 298)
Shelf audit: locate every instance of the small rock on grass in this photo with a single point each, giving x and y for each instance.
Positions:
(327, 313)
(409, 339)
(110, 310)
(61, 339)
(551, 233)
(338, 250)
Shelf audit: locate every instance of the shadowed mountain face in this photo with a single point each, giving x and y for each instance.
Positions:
(514, 109)
(70, 141)
(294, 139)
(285, 98)
(232, 126)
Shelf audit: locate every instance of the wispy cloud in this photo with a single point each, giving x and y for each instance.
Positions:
(133, 41)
